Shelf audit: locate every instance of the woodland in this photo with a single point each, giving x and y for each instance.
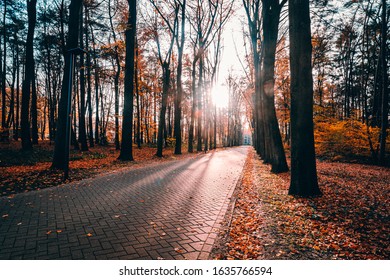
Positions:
(96, 85)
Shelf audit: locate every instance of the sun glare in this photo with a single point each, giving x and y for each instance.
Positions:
(220, 96)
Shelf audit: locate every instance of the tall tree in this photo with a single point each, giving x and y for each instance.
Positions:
(82, 125)
(303, 163)
(385, 90)
(165, 61)
(205, 26)
(34, 108)
(137, 76)
(252, 10)
(274, 151)
(117, 72)
(179, 95)
(3, 68)
(28, 76)
(126, 152)
(59, 161)
(89, 78)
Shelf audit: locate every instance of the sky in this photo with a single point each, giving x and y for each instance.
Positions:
(232, 36)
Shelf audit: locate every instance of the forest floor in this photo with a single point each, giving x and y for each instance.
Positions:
(350, 221)
(22, 171)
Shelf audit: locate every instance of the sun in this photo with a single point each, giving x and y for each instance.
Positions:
(220, 96)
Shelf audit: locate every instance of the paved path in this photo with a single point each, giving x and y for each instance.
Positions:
(169, 210)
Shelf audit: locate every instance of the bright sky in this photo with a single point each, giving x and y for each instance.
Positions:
(232, 35)
(220, 96)
(229, 62)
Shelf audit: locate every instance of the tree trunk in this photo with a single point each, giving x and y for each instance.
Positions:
(34, 109)
(200, 109)
(29, 76)
(11, 113)
(59, 161)
(3, 112)
(215, 127)
(137, 89)
(89, 86)
(385, 92)
(96, 84)
(271, 15)
(193, 108)
(3, 65)
(17, 117)
(116, 79)
(161, 123)
(303, 163)
(179, 96)
(82, 126)
(127, 124)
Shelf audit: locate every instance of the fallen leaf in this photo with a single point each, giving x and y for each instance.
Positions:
(178, 250)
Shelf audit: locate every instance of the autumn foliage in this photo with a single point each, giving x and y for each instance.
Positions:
(346, 140)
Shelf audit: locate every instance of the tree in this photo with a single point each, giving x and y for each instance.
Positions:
(252, 10)
(3, 68)
(82, 125)
(274, 151)
(89, 82)
(165, 61)
(303, 163)
(179, 95)
(59, 161)
(204, 23)
(385, 90)
(267, 138)
(28, 76)
(126, 152)
(117, 73)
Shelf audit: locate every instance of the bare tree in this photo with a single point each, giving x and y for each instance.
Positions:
(170, 17)
(203, 22)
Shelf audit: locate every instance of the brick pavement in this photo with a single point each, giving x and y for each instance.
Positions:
(170, 210)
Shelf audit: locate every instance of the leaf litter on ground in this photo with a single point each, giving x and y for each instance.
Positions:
(350, 221)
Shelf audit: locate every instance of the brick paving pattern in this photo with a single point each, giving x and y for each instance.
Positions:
(170, 210)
